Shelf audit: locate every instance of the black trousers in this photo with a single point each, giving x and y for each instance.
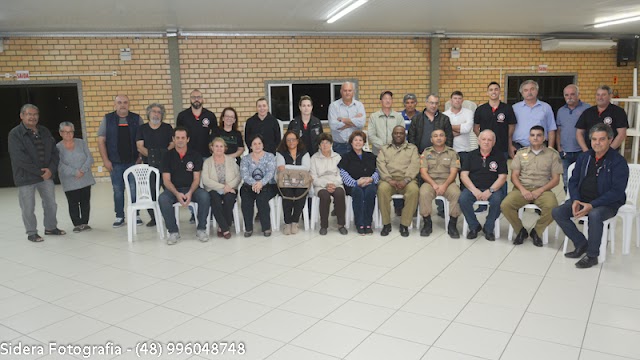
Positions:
(222, 208)
(261, 200)
(79, 205)
(292, 208)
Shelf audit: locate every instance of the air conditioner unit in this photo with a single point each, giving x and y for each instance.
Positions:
(576, 44)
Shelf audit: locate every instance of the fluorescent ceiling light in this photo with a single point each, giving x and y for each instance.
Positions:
(346, 10)
(616, 22)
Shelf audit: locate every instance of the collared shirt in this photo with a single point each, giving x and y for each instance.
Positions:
(200, 129)
(496, 120)
(380, 128)
(536, 169)
(566, 121)
(439, 164)
(338, 109)
(613, 115)
(467, 140)
(529, 116)
(407, 119)
(484, 171)
(182, 169)
(398, 162)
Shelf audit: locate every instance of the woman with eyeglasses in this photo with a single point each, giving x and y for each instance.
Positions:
(307, 126)
(75, 175)
(327, 183)
(291, 154)
(228, 131)
(258, 169)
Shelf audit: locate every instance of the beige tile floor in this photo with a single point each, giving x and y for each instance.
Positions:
(312, 297)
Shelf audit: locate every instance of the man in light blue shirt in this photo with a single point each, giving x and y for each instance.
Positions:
(566, 119)
(531, 112)
(346, 115)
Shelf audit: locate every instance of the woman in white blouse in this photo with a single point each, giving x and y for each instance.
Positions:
(221, 177)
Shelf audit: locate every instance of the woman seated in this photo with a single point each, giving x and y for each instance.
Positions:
(327, 183)
(221, 177)
(291, 154)
(75, 175)
(228, 131)
(360, 177)
(258, 170)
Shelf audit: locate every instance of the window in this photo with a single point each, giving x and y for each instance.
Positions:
(551, 88)
(284, 96)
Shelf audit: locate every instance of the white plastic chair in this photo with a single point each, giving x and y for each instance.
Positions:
(545, 234)
(349, 216)
(629, 211)
(142, 175)
(465, 227)
(194, 207)
(236, 217)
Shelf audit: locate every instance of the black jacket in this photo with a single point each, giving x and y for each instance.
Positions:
(24, 157)
(269, 128)
(612, 180)
(315, 129)
(441, 121)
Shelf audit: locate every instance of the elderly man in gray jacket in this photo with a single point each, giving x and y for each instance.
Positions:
(34, 159)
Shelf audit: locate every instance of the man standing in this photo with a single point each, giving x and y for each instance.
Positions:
(597, 190)
(153, 140)
(117, 145)
(603, 112)
(265, 124)
(423, 123)
(410, 101)
(382, 122)
(439, 165)
(181, 168)
(464, 140)
(499, 118)
(201, 123)
(34, 159)
(346, 115)
(483, 175)
(566, 119)
(398, 164)
(535, 172)
(531, 112)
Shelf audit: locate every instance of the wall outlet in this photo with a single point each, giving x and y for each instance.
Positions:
(99, 169)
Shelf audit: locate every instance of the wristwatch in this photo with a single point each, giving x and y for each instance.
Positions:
(491, 190)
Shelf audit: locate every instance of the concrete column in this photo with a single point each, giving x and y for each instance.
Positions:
(434, 78)
(174, 71)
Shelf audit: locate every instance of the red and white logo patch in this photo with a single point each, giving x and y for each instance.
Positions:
(608, 120)
(205, 122)
(501, 117)
(190, 166)
(493, 166)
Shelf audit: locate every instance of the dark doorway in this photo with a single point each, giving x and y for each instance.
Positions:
(551, 88)
(56, 102)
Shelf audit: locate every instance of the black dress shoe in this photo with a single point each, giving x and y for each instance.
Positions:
(587, 262)
(473, 233)
(522, 235)
(452, 229)
(151, 223)
(535, 238)
(385, 230)
(427, 227)
(490, 236)
(579, 251)
(404, 231)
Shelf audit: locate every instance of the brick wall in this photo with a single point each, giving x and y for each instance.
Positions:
(231, 71)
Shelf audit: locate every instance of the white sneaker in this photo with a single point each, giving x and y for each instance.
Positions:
(173, 238)
(202, 235)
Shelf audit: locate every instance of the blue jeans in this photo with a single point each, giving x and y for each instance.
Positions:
(341, 148)
(466, 201)
(567, 160)
(167, 199)
(117, 181)
(563, 214)
(364, 199)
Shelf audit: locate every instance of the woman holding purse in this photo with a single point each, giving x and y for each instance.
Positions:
(292, 155)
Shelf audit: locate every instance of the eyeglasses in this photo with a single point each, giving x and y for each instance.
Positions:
(292, 140)
(67, 132)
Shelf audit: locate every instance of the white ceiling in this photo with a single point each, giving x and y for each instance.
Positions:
(381, 16)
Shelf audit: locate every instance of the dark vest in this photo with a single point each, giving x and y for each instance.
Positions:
(112, 119)
(288, 160)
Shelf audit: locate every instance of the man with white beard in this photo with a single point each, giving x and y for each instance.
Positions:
(153, 140)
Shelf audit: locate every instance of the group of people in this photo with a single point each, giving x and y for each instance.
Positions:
(418, 154)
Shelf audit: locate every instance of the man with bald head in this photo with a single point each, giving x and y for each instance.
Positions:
(566, 119)
(346, 115)
(117, 145)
